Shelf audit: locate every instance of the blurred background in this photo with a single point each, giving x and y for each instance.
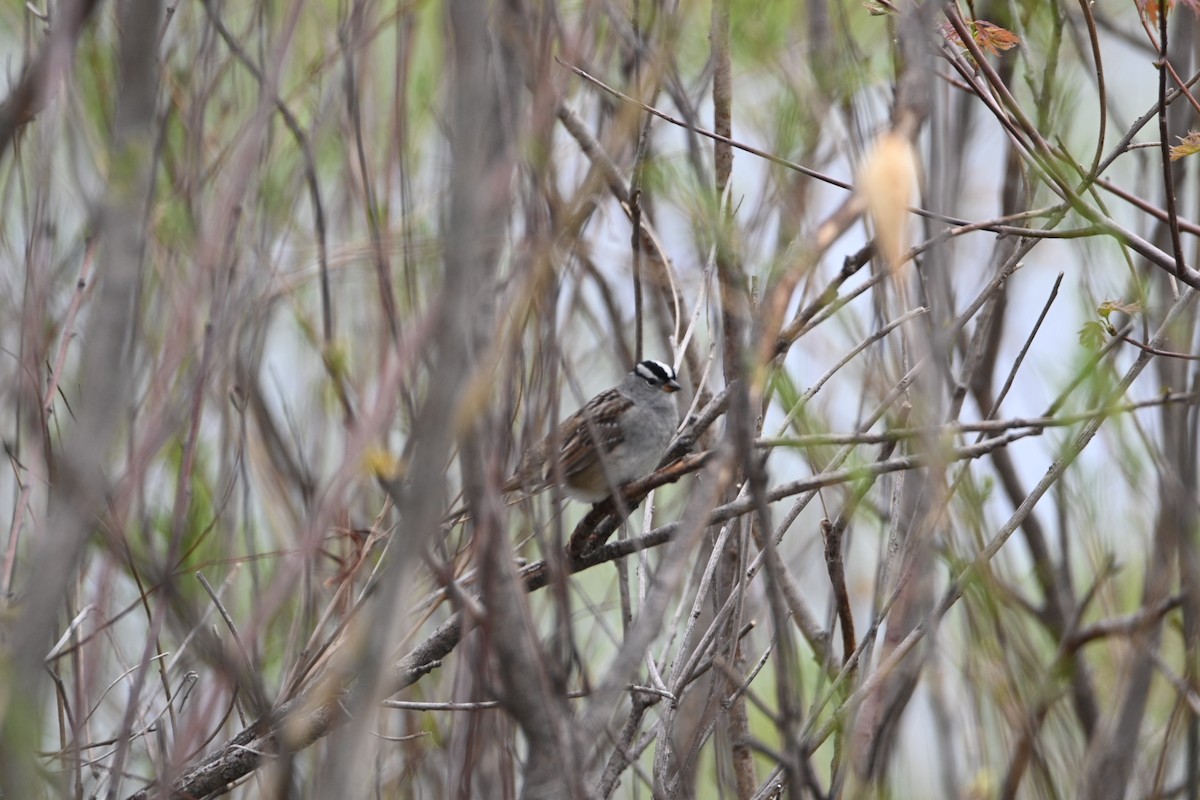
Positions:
(284, 286)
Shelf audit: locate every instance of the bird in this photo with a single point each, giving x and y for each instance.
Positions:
(618, 436)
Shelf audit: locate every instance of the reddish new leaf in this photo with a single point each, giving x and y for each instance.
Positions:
(990, 37)
(1150, 9)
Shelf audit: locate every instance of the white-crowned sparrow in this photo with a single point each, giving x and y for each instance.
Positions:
(618, 436)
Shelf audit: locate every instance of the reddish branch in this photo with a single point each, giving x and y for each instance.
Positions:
(43, 76)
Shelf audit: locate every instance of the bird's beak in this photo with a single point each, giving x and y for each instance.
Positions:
(671, 386)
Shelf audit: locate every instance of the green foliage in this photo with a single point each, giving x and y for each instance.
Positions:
(760, 31)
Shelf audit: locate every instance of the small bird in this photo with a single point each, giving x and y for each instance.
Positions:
(618, 436)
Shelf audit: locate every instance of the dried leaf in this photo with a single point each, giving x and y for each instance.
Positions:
(888, 182)
(1188, 145)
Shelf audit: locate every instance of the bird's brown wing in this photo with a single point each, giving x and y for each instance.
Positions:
(590, 433)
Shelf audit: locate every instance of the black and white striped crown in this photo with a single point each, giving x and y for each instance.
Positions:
(655, 371)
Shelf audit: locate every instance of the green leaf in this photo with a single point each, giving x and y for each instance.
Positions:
(1093, 335)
